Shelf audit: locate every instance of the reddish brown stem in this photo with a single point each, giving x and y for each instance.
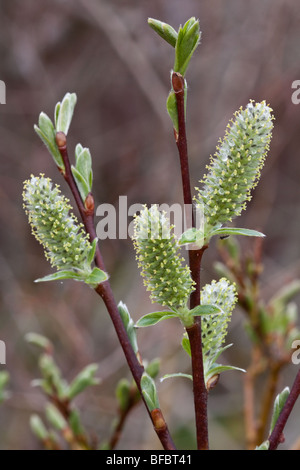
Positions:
(86, 210)
(277, 434)
(195, 257)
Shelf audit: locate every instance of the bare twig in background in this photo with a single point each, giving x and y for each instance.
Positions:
(130, 53)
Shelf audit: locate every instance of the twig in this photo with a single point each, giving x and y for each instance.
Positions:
(249, 399)
(195, 257)
(123, 413)
(86, 210)
(268, 399)
(277, 434)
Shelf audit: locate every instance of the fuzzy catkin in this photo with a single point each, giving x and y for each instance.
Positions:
(165, 276)
(235, 168)
(65, 243)
(214, 327)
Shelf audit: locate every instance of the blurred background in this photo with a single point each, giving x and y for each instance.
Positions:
(119, 68)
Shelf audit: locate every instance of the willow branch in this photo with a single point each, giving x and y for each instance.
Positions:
(86, 210)
(195, 257)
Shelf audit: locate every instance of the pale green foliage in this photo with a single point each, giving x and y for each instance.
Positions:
(279, 403)
(60, 395)
(46, 130)
(164, 30)
(149, 391)
(185, 42)
(4, 379)
(38, 428)
(82, 171)
(165, 275)
(63, 113)
(235, 168)
(129, 325)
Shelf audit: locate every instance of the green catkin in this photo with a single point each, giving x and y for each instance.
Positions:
(165, 276)
(214, 327)
(235, 168)
(65, 244)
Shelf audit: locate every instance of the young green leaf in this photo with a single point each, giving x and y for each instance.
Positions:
(55, 417)
(56, 113)
(83, 161)
(64, 112)
(95, 277)
(81, 183)
(187, 41)
(45, 130)
(82, 171)
(129, 325)
(84, 379)
(178, 374)
(172, 109)
(152, 318)
(39, 340)
(123, 394)
(236, 231)
(4, 379)
(164, 30)
(192, 236)
(185, 343)
(152, 368)
(61, 275)
(205, 310)
(52, 381)
(278, 405)
(91, 255)
(38, 428)
(75, 423)
(218, 368)
(149, 391)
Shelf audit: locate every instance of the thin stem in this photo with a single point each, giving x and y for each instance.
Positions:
(268, 400)
(277, 434)
(86, 210)
(181, 142)
(123, 413)
(256, 368)
(200, 392)
(195, 257)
